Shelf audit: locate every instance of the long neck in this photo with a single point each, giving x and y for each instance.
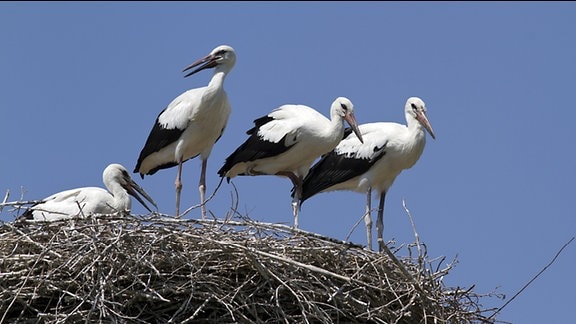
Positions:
(336, 127)
(414, 126)
(121, 200)
(416, 140)
(216, 83)
(218, 78)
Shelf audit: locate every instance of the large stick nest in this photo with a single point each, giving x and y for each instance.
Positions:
(141, 269)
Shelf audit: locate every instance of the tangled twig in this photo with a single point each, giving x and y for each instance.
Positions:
(148, 268)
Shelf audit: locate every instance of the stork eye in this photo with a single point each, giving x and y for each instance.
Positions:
(414, 107)
(125, 174)
(344, 107)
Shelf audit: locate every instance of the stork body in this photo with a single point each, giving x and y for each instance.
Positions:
(86, 201)
(191, 124)
(388, 149)
(286, 142)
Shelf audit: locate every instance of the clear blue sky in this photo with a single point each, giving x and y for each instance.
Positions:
(82, 83)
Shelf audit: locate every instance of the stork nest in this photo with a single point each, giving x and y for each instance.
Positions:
(157, 269)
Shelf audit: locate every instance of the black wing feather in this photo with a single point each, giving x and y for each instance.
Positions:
(334, 168)
(27, 214)
(259, 123)
(254, 148)
(158, 138)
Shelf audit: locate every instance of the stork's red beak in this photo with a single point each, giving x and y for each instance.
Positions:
(422, 119)
(351, 119)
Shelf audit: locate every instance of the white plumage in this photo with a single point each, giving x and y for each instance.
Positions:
(388, 149)
(191, 124)
(288, 140)
(82, 202)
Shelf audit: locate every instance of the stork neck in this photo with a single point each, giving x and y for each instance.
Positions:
(336, 127)
(416, 138)
(121, 198)
(416, 133)
(413, 124)
(215, 86)
(217, 80)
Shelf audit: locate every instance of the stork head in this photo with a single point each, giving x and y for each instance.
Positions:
(416, 109)
(118, 173)
(344, 108)
(223, 56)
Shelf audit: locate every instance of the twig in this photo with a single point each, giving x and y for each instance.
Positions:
(5, 199)
(416, 236)
(19, 203)
(356, 225)
(30, 271)
(287, 260)
(204, 203)
(534, 278)
(200, 308)
(22, 192)
(154, 268)
(402, 269)
(234, 201)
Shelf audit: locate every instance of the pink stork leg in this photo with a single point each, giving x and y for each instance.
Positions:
(202, 187)
(297, 182)
(368, 218)
(178, 184)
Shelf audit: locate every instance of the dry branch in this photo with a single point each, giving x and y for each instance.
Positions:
(153, 269)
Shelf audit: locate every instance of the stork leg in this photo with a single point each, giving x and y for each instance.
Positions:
(296, 201)
(380, 221)
(202, 188)
(368, 218)
(178, 184)
(297, 182)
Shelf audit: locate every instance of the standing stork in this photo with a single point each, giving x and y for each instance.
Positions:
(388, 149)
(287, 141)
(91, 200)
(191, 124)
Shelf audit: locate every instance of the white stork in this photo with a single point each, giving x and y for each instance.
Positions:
(287, 141)
(387, 150)
(91, 200)
(191, 124)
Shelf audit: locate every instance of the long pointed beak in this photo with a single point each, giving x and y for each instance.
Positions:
(133, 189)
(422, 119)
(208, 61)
(351, 120)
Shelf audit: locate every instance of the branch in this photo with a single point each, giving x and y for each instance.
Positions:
(16, 203)
(203, 204)
(534, 278)
(5, 200)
